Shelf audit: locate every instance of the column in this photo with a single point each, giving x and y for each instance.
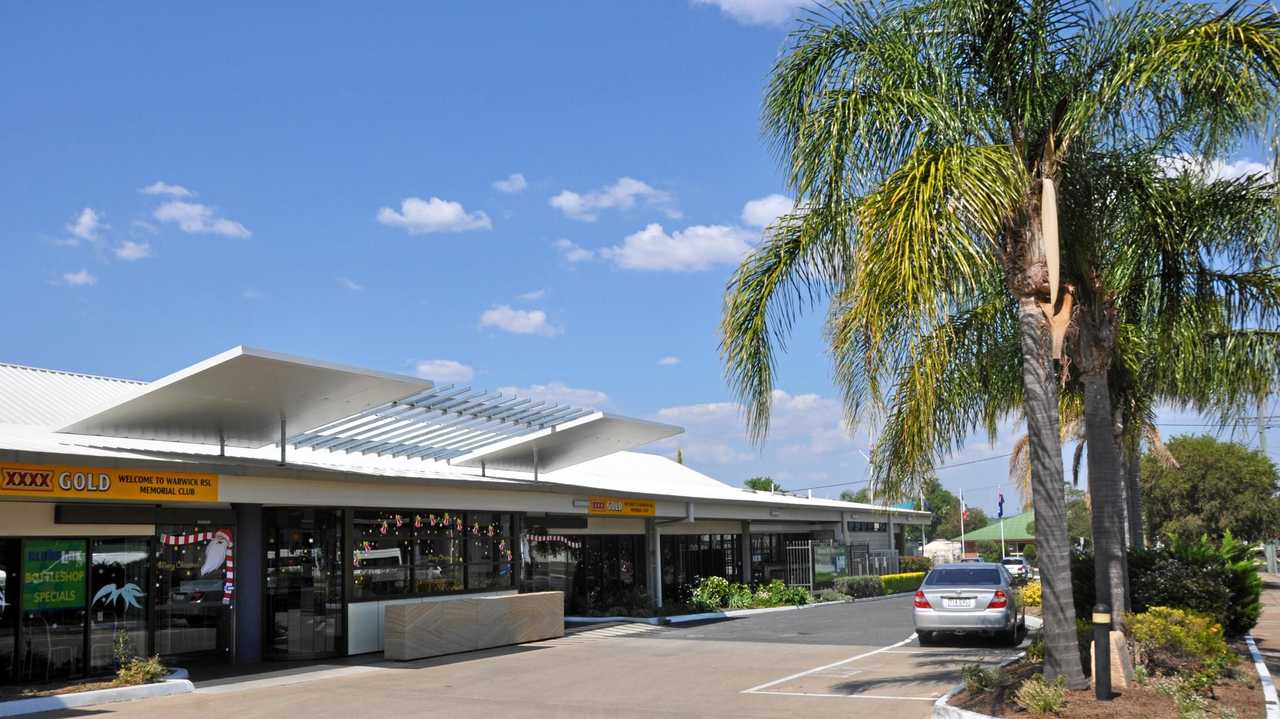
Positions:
(653, 561)
(249, 590)
(745, 541)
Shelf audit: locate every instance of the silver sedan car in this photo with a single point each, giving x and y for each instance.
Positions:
(969, 598)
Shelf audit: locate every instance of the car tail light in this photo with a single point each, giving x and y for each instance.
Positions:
(922, 602)
(998, 600)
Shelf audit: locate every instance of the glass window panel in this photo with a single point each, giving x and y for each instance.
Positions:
(10, 587)
(380, 560)
(118, 585)
(53, 609)
(438, 552)
(192, 570)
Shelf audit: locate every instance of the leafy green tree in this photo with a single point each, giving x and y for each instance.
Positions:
(950, 527)
(763, 484)
(1218, 487)
(862, 495)
(924, 141)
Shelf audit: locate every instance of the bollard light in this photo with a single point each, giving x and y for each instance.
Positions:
(1102, 652)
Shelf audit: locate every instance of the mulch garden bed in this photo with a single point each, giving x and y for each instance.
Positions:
(1242, 695)
(30, 691)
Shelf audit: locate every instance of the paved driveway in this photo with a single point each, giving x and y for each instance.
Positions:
(844, 660)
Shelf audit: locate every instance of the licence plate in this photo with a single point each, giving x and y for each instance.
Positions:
(966, 603)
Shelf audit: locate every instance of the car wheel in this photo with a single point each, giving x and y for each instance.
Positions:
(1010, 638)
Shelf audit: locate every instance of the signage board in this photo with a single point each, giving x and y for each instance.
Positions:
(106, 483)
(52, 574)
(621, 507)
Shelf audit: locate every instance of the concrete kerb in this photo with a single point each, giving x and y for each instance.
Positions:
(177, 682)
(714, 616)
(1264, 678)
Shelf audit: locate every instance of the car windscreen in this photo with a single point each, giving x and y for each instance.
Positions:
(978, 576)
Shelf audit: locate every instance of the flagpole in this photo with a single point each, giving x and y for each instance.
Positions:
(1002, 552)
(962, 513)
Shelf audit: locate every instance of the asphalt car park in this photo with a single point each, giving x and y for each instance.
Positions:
(836, 660)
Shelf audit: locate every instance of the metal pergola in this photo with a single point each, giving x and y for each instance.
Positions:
(439, 423)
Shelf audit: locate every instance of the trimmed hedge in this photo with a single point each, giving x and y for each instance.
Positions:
(860, 587)
(898, 583)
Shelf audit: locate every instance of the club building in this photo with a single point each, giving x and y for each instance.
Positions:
(262, 506)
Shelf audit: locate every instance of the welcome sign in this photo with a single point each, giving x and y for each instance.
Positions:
(106, 483)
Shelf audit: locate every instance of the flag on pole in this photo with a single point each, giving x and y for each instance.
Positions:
(964, 508)
(999, 505)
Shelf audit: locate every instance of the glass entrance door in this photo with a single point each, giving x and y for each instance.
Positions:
(194, 591)
(304, 583)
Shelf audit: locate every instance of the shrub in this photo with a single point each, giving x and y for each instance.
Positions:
(1221, 581)
(1029, 553)
(1031, 593)
(740, 596)
(830, 595)
(914, 564)
(1035, 650)
(978, 679)
(860, 587)
(897, 583)
(1180, 643)
(711, 593)
(1040, 697)
(140, 671)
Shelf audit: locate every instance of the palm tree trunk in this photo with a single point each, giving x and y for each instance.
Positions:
(1104, 466)
(1040, 403)
(1133, 494)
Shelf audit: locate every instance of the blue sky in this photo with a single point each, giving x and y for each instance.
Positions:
(542, 196)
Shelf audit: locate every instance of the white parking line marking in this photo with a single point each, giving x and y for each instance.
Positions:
(775, 682)
(851, 696)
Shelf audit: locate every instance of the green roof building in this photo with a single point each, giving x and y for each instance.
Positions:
(1018, 532)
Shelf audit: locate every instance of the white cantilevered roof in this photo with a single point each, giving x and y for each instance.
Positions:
(252, 398)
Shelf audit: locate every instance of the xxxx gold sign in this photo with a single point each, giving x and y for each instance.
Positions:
(57, 482)
(621, 507)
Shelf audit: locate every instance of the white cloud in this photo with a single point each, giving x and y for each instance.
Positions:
(443, 370)
(511, 184)
(621, 195)
(559, 393)
(163, 188)
(757, 12)
(521, 322)
(764, 211)
(532, 296)
(1214, 169)
(668, 361)
(349, 284)
(130, 250)
(802, 425)
(420, 216)
(87, 225)
(573, 253)
(81, 278)
(138, 228)
(194, 218)
(698, 247)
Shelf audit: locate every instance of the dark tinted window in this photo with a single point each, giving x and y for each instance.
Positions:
(963, 577)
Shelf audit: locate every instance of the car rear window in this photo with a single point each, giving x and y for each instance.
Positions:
(963, 577)
(1011, 561)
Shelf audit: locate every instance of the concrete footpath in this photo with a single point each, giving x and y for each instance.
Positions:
(1267, 633)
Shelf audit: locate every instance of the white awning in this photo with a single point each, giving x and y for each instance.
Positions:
(238, 398)
(585, 439)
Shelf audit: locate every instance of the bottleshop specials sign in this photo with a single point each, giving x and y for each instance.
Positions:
(621, 507)
(58, 482)
(53, 574)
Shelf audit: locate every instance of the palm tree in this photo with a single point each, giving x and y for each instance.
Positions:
(924, 142)
(1195, 334)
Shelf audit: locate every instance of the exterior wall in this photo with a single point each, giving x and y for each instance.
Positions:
(35, 519)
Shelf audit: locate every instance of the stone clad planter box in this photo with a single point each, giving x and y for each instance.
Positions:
(464, 624)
